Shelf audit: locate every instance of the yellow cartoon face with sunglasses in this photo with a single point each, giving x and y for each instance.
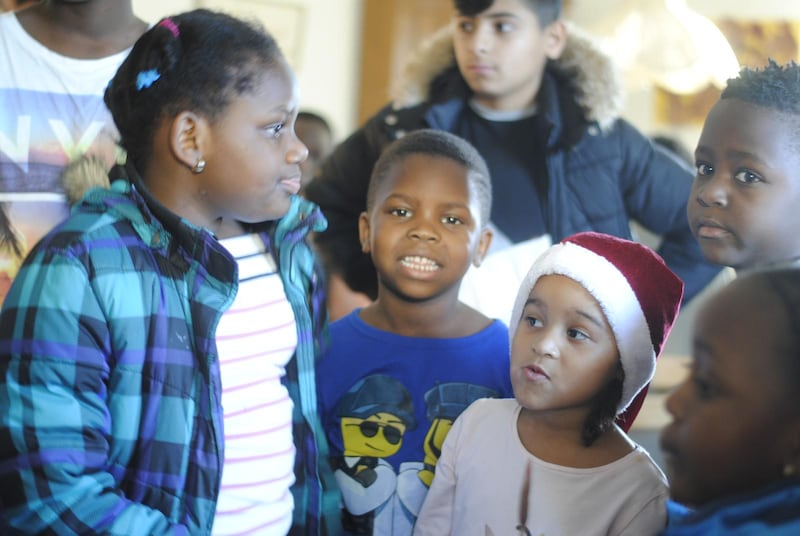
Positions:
(379, 435)
(374, 416)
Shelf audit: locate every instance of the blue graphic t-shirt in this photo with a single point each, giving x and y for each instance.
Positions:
(387, 402)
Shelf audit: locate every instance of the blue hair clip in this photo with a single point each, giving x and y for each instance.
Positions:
(145, 79)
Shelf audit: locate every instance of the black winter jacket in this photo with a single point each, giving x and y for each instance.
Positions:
(602, 172)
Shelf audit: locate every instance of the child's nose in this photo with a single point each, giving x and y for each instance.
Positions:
(712, 192)
(676, 401)
(481, 39)
(297, 153)
(424, 226)
(545, 344)
(424, 231)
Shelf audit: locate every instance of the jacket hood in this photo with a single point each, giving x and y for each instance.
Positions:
(91, 187)
(597, 86)
(83, 174)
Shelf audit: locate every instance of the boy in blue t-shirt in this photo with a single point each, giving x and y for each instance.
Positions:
(399, 371)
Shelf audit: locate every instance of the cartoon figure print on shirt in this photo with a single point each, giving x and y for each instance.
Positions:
(375, 416)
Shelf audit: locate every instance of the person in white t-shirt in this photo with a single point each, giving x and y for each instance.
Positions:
(13, 5)
(56, 58)
(589, 320)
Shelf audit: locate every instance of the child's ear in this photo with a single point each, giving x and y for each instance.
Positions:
(363, 231)
(484, 242)
(555, 35)
(188, 137)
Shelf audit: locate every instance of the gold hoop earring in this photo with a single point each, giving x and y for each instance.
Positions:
(199, 166)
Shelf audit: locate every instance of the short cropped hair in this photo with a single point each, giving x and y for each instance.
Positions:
(774, 86)
(547, 11)
(440, 144)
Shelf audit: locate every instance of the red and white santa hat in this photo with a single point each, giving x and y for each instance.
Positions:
(639, 295)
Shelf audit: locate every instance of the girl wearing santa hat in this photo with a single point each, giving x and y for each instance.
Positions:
(589, 321)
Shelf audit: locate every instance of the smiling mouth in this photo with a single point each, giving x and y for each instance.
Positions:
(419, 264)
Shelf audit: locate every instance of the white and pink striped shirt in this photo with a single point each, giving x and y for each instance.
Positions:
(256, 337)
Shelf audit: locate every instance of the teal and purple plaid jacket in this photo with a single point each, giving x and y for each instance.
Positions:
(110, 418)
(317, 510)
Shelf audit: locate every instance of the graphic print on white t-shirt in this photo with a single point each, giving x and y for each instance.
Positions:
(51, 113)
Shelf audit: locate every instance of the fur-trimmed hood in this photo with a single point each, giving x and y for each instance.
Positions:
(595, 79)
(83, 174)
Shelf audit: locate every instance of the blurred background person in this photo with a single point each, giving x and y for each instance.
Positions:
(316, 133)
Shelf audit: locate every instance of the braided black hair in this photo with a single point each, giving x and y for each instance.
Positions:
(604, 407)
(195, 61)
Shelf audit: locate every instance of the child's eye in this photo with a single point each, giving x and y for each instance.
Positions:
(532, 321)
(466, 26)
(503, 27)
(704, 169)
(452, 220)
(746, 176)
(274, 130)
(577, 334)
(400, 212)
(705, 390)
